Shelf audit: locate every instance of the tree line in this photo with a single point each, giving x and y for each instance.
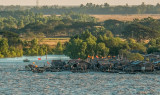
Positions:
(23, 22)
(70, 24)
(101, 46)
(90, 8)
(28, 48)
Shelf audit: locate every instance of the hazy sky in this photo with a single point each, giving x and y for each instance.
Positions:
(77, 2)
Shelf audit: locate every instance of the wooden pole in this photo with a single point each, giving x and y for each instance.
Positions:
(46, 53)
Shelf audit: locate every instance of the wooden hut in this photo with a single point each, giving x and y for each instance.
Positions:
(120, 64)
(148, 67)
(134, 66)
(79, 65)
(72, 63)
(139, 66)
(157, 65)
(105, 65)
(94, 64)
(57, 65)
(151, 57)
(83, 65)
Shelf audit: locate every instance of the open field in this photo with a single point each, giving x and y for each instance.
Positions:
(125, 17)
(52, 42)
(120, 17)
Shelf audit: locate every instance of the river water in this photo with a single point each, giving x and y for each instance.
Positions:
(14, 82)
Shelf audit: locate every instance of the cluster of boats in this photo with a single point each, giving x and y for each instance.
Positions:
(104, 65)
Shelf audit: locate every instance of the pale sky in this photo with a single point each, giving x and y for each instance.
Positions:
(77, 2)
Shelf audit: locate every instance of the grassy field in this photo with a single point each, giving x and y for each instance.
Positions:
(120, 17)
(52, 42)
(125, 17)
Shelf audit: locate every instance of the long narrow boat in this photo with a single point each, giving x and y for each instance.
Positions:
(38, 70)
(26, 60)
(34, 69)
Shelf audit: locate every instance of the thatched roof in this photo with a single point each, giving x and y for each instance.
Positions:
(156, 62)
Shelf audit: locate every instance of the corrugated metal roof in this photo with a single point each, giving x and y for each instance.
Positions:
(103, 62)
(136, 62)
(156, 62)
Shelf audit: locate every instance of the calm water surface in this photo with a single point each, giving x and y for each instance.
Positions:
(14, 82)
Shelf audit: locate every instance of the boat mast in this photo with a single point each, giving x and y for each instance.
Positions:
(46, 53)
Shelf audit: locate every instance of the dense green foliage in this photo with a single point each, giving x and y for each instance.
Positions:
(58, 49)
(154, 45)
(12, 46)
(33, 48)
(85, 45)
(88, 45)
(28, 26)
(18, 30)
(144, 29)
(140, 32)
(71, 24)
(23, 22)
(130, 56)
(6, 51)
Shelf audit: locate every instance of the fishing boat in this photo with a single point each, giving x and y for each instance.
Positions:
(34, 68)
(38, 70)
(26, 60)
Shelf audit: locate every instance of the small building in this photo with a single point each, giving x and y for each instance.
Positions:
(121, 64)
(105, 65)
(79, 65)
(157, 65)
(57, 64)
(139, 66)
(151, 57)
(83, 65)
(74, 61)
(149, 67)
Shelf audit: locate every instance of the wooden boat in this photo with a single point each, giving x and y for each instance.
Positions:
(26, 60)
(122, 73)
(38, 70)
(23, 70)
(126, 73)
(56, 70)
(34, 69)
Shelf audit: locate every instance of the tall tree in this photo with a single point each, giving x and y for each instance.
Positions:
(140, 32)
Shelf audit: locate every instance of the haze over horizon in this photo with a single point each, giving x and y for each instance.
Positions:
(77, 2)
